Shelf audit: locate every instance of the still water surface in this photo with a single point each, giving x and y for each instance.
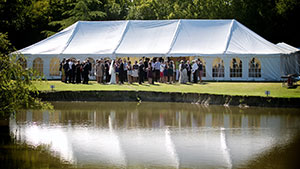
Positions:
(156, 135)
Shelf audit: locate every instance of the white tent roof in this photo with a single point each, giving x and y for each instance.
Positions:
(287, 48)
(154, 38)
(201, 37)
(148, 37)
(52, 45)
(83, 37)
(244, 41)
(100, 38)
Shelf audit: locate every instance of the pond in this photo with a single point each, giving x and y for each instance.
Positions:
(159, 135)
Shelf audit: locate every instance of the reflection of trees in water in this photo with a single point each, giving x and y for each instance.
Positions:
(280, 156)
(157, 115)
(22, 155)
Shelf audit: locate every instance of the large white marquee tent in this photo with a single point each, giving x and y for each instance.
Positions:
(228, 49)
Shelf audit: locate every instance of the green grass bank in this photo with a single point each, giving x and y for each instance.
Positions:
(214, 88)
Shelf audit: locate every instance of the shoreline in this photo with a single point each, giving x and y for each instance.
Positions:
(152, 96)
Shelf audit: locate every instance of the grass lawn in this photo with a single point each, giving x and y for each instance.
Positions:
(227, 88)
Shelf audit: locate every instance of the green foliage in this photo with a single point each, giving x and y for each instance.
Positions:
(16, 89)
(5, 45)
(143, 10)
(284, 6)
(80, 10)
(33, 20)
(117, 9)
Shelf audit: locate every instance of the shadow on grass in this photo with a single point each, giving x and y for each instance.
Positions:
(293, 87)
(149, 85)
(203, 83)
(155, 84)
(188, 84)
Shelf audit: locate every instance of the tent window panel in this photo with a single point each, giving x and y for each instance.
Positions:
(54, 67)
(254, 68)
(236, 68)
(203, 67)
(38, 65)
(218, 68)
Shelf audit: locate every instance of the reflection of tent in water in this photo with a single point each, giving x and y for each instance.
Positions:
(162, 147)
(210, 40)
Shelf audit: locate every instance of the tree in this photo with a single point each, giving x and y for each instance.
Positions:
(287, 27)
(16, 88)
(116, 9)
(143, 10)
(84, 10)
(29, 21)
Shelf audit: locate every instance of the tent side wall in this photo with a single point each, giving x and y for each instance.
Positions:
(43, 60)
(50, 63)
(290, 64)
(269, 68)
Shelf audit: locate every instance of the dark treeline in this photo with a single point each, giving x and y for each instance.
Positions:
(29, 21)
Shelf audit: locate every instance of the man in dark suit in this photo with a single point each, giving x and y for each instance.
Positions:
(85, 72)
(89, 69)
(66, 69)
(61, 69)
(121, 72)
(146, 64)
(107, 76)
(141, 72)
(73, 71)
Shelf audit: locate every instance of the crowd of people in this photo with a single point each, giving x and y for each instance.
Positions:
(119, 71)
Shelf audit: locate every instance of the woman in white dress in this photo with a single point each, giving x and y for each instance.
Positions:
(112, 72)
(183, 78)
